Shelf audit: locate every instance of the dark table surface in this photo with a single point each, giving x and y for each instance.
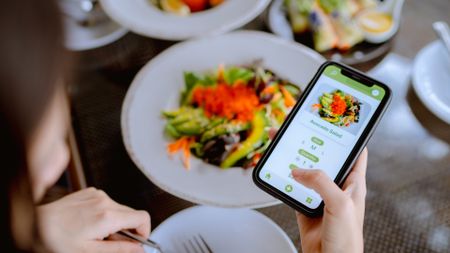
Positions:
(408, 202)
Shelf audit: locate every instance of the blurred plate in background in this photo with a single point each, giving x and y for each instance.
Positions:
(278, 23)
(142, 17)
(431, 79)
(87, 26)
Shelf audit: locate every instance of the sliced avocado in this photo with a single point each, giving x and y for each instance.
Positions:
(222, 129)
(253, 141)
(325, 101)
(328, 95)
(327, 111)
(171, 131)
(190, 128)
(331, 119)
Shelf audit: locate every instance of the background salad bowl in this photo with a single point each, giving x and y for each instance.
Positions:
(157, 87)
(146, 18)
(334, 28)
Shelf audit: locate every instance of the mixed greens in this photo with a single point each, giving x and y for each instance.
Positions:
(331, 22)
(338, 108)
(227, 117)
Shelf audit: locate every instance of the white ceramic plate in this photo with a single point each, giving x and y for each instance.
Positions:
(80, 37)
(141, 17)
(224, 230)
(157, 87)
(431, 79)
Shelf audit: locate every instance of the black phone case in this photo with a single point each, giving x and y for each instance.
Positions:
(354, 154)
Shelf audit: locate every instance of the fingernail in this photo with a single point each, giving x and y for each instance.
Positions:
(298, 172)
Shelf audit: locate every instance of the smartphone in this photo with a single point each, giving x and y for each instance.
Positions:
(327, 129)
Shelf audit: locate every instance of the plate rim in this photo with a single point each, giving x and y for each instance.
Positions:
(419, 89)
(135, 85)
(260, 215)
(98, 42)
(252, 13)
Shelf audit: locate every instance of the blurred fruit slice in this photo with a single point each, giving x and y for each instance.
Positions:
(177, 7)
(215, 2)
(196, 5)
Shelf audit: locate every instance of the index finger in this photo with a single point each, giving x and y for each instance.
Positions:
(118, 220)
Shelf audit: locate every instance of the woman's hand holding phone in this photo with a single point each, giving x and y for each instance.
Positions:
(340, 229)
(81, 221)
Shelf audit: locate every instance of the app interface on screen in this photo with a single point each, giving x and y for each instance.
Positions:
(322, 133)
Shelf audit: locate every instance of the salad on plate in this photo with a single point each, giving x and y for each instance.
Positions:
(227, 117)
(338, 108)
(185, 7)
(333, 24)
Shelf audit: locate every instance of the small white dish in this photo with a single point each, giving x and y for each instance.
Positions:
(79, 37)
(141, 17)
(392, 8)
(224, 230)
(157, 87)
(431, 79)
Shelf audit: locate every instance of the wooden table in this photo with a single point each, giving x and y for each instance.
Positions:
(408, 202)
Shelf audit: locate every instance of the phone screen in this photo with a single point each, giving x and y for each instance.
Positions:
(323, 132)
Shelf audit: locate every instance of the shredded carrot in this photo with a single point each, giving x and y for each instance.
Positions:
(269, 89)
(317, 106)
(277, 112)
(186, 156)
(176, 145)
(338, 106)
(182, 144)
(289, 101)
(233, 101)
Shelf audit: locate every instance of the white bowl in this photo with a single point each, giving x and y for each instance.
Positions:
(224, 230)
(431, 79)
(157, 87)
(141, 17)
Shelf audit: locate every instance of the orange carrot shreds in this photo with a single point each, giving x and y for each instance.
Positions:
(176, 145)
(289, 101)
(269, 90)
(182, 144)
(237, 101)
(277, 113)
(316, 106)
(338, 106)
(186, 156)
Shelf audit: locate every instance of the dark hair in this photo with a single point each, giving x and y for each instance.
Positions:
(31, 52)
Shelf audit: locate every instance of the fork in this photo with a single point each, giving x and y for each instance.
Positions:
(196, 244)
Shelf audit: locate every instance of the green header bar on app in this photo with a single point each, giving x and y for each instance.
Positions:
(375, 91)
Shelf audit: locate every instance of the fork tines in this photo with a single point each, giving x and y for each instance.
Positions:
(196, 244)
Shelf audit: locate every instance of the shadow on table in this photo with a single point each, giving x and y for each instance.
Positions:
(427, 119)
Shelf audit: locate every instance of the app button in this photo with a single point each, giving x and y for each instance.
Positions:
(293, 166)
(308, 155)
(309, 200)
(317, 141)
(288, 188)
(375, 93)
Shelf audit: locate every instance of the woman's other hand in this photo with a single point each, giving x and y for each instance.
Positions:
(340, 229)
(85, 221)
